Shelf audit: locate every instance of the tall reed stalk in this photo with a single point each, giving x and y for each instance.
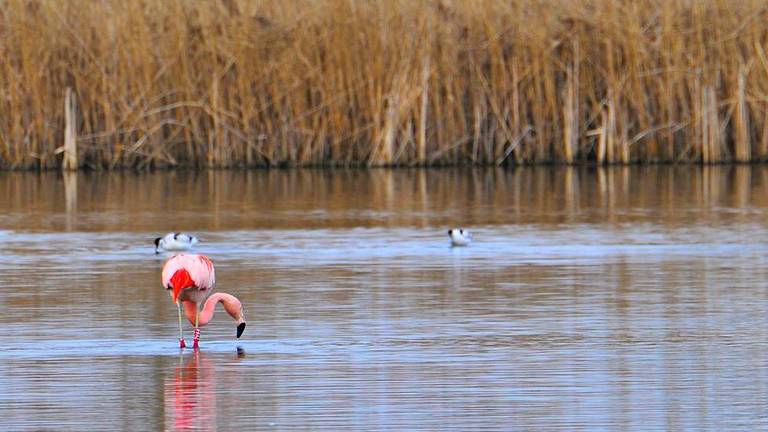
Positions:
(218, 83)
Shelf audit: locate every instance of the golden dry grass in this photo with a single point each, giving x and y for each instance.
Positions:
(383, 82)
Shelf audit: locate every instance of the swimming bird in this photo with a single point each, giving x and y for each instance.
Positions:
(459, 237)
(190, 280)
(175, 242)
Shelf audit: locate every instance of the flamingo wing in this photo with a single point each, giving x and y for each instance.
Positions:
(185, 271)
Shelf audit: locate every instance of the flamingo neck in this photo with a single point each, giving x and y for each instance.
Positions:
(231, 304)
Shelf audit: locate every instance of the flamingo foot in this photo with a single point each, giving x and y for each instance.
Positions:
(182, 344)
(196, 339)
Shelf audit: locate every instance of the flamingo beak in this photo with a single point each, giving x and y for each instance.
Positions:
(240, 325)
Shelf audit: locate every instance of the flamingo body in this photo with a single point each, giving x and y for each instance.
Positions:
(191, 277)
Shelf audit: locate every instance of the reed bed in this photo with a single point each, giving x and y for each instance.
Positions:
(223, 83)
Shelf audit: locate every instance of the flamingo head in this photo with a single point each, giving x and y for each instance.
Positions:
(240, 321)
(234, 308)
(240, 327)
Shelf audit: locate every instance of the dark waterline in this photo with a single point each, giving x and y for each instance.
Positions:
(621, 298)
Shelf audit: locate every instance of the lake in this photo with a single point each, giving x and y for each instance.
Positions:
(590, 299)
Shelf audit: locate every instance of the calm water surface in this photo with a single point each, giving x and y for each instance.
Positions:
(618, 299)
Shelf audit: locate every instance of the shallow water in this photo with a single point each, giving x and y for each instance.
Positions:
(629, 299)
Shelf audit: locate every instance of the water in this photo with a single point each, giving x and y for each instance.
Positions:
(631, 299)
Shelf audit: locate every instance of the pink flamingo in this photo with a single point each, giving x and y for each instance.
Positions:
(191, 279)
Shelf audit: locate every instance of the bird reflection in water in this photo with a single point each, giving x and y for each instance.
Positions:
(190, 396)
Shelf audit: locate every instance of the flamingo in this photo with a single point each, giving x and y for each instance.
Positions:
(175, 242)
(190, 280)
(459, 237)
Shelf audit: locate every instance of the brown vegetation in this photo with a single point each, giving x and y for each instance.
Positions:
(383, 82)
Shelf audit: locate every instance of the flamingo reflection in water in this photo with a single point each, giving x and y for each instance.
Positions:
(190, 396)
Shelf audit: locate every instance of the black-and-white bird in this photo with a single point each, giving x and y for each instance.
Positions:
(459, 237)
(175, 242)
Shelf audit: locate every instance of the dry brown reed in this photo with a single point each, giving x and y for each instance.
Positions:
(219, 83)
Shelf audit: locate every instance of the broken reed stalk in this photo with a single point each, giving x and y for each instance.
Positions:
(69, 161)
(711, 138)
(570, 119)
(384, 152)
(742, 137)
(421, 143)
(215, 83)
(602, 141)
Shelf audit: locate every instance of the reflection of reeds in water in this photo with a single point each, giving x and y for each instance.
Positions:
(70, 197)
(234, 82)
(311, 199)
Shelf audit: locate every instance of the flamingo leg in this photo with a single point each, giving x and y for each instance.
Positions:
(196, 337)
(181, 334)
